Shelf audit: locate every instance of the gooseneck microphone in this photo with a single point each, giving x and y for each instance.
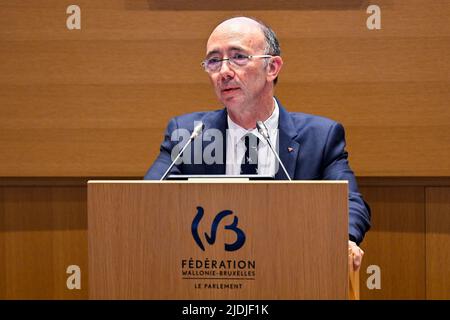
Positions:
(262, 129)
(197, 130)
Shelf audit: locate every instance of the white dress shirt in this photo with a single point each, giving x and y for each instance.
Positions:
(267, 164)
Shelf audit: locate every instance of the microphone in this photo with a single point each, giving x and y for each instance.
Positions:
(195, 133)
(262, 129)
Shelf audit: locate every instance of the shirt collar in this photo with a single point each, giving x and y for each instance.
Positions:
(237, 132)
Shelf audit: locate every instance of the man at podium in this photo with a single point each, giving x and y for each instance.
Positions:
(254, 134)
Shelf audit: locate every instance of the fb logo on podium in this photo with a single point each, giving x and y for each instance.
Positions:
(212, 238)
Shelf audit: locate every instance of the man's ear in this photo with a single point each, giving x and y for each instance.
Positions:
(274, 68)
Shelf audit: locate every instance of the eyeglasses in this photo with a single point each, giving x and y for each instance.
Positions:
(238, 60)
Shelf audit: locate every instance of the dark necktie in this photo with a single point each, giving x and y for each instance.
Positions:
(250, 161)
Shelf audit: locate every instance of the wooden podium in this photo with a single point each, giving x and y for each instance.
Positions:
(218, 240)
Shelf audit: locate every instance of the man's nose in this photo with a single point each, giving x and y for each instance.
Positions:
(226, 71)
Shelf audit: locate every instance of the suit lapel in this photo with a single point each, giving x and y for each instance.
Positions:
(288, 147)
(218, 121)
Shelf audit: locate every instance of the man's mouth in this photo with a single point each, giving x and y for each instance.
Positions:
(226, 90)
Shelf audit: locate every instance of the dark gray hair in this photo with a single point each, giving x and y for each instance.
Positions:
(272, 44)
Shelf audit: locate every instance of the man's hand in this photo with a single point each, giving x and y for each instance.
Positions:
(356, 254)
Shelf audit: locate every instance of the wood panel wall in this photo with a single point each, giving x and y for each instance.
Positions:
(44, 230)
(95, 102)
(438, 243)
(396, 243)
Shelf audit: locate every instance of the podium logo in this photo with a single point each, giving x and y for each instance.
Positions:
(212, 237)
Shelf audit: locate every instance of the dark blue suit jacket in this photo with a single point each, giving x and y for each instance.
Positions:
(318, 154)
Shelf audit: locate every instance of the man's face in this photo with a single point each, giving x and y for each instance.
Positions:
(238, 87)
